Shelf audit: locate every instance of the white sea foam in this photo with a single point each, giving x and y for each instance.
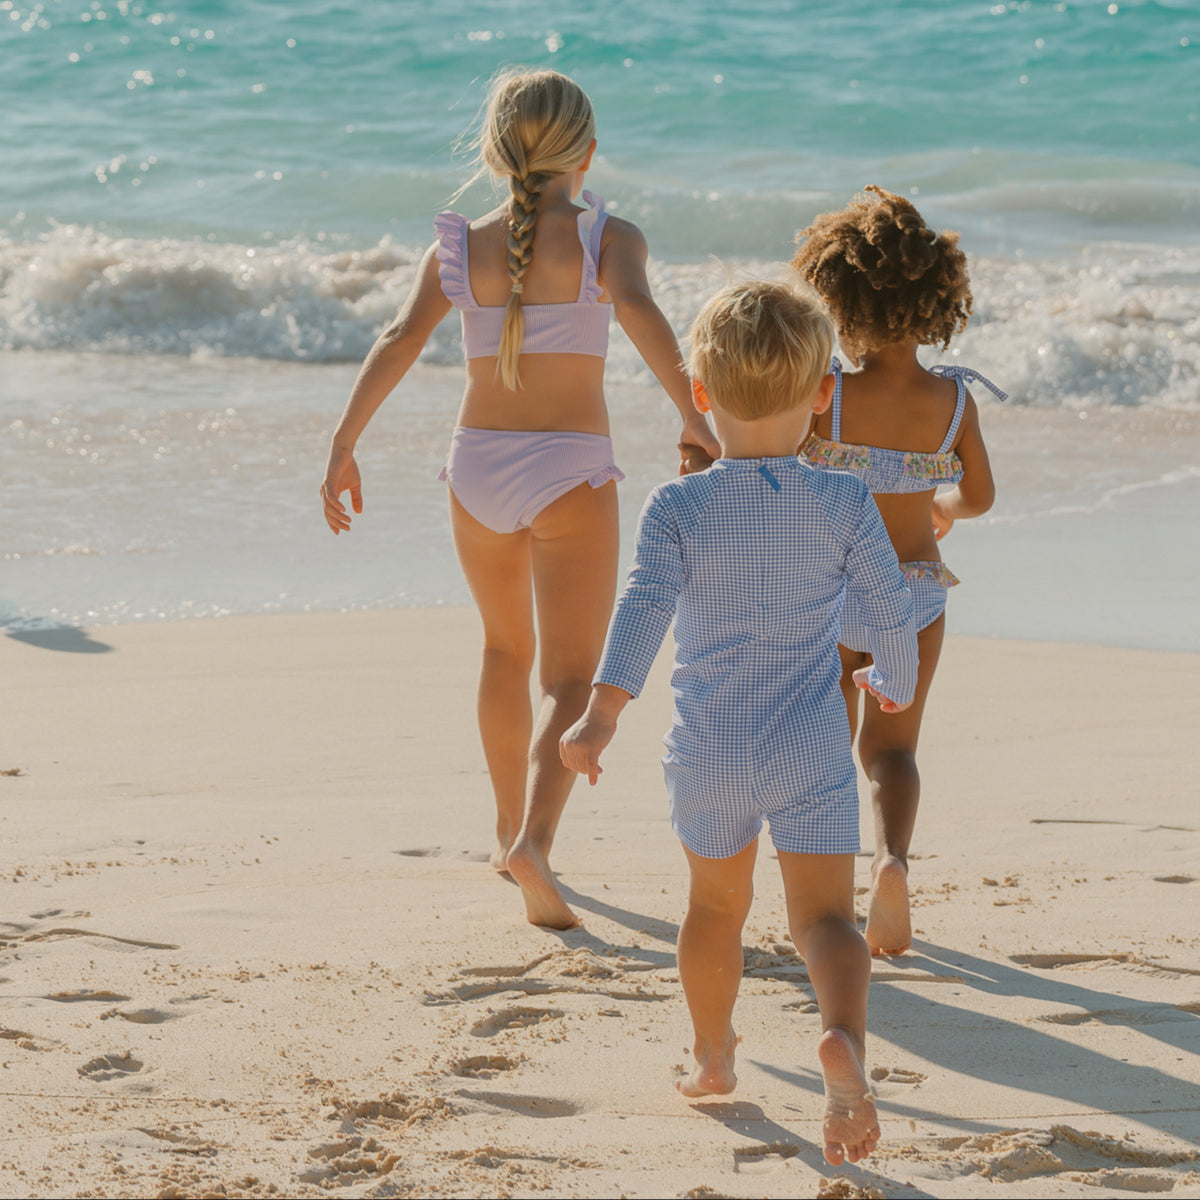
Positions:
(1111, 325)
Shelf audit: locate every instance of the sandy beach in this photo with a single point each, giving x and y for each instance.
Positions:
(252, 946)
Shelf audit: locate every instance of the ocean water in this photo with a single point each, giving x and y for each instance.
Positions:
(207, 213)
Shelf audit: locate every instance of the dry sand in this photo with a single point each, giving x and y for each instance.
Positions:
(252, 946)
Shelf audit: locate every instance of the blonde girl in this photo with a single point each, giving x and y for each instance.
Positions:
(532, 481)
(894, 285)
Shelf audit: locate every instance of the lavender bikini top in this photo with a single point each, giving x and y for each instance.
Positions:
(576, 327)
(888, 472)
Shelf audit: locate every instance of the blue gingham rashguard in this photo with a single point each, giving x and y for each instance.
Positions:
(751, 559)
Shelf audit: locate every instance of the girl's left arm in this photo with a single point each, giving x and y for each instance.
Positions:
(976, 491)
(387, 362)
(622, 274)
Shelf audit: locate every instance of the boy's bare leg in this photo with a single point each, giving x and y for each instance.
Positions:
(710, 964)
(820, 900)
(887, 748)
(574, 551)
(497, 569)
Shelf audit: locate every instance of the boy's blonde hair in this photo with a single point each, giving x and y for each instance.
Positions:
(538, 124)
(761, 348)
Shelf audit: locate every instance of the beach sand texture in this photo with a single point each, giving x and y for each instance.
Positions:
(252, 946)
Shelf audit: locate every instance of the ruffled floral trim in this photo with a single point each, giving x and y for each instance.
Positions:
(937, 571)
(451, 230)
(837, 456)
(590, 291)
(933, 468)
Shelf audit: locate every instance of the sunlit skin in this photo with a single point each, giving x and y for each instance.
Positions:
(544, 593)
(892, 401)
(819, 888)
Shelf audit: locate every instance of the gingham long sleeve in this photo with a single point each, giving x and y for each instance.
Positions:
(647, 607)
(885, 607)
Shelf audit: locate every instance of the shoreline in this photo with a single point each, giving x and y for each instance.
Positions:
(252, 943)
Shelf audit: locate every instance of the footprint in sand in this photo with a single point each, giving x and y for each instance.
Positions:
(527, 1106)
(484, 1066)
(85, 994)
(351, 1161)
(762, 1159)
(513, 1018)
(111, 1066)
(896, 1075)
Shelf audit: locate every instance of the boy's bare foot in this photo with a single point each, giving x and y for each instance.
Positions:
(713, 1073)
(889, 927)
(544, 904)
(851, 1126)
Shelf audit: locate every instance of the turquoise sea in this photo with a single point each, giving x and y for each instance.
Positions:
(208, 211)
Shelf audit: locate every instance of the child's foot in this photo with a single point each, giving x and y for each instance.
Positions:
(713, 1073)
(499, 859)
(889, 927)
(851, 1126)
(544, 904)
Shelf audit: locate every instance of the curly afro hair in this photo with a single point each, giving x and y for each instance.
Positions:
(885, 275)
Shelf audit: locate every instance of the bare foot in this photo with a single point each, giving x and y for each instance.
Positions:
(889, 928)
(713, 1074)
(499, 859)
(851, 1126)
(544, 904)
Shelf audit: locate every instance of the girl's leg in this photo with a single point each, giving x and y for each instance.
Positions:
(887, 749)
(497, 570)
(851, 693)
(820, 900)
(710, 964)
(574, 548)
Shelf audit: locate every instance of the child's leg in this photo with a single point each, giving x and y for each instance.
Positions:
(820, 900)
(497, 570)
(710, 964)
(887, 749)
(574, 560)
(851, 692)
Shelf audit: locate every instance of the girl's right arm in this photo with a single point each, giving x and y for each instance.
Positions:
(976, 491)
(622, 273)
(388, 361)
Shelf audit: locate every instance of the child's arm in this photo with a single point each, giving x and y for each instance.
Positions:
(885, 608)
(622, 273)
(976, 491)
(580, 747)
(640, 621)
(386, 364)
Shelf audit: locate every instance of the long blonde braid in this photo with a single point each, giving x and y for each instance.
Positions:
(539, 124)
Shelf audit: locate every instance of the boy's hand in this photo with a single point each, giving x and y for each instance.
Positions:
(580, 747)
(861, 680)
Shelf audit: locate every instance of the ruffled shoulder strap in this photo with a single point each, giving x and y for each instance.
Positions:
(961, 376)
(835, 407)
(451, 230)
(591, 231)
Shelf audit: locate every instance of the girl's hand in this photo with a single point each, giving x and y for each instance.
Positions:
(341, 473)
(888, 706)
(696, 433)
(942, 521)
(580, 747)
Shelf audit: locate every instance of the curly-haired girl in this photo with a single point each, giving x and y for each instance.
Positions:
(533, 505)
(893, 285)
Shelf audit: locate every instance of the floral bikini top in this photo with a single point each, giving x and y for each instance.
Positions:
(575, 327)
(887, 472)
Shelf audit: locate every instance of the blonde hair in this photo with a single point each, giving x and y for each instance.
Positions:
(538, 124)
(886, 276)
(761, 348)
